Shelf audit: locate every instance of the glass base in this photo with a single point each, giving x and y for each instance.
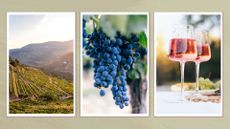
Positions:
(177, 97)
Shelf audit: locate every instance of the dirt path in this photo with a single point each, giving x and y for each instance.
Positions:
(16, 99)
(66, 97)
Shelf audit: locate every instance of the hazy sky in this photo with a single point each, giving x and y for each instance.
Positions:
(26, 28)
(164, 23)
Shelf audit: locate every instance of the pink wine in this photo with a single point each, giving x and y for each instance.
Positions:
(182, 49)
(203, 53)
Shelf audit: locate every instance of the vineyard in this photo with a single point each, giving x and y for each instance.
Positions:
(33, 91)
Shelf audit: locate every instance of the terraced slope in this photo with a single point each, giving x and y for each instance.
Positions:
(34, 91)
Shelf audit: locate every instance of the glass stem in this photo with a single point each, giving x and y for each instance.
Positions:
(197, 77)
(182, 64)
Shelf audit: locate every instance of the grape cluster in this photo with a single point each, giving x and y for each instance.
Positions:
(112, 59)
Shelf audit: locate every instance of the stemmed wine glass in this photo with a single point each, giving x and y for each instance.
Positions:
(203, 54)
(183, 49)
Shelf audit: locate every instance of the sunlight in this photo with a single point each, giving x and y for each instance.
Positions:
(51, 27)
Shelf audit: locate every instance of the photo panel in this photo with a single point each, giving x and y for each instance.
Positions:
(188, 64)
(40, 64)
(114, 64)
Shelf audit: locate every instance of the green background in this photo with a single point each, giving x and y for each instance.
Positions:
(150, 6)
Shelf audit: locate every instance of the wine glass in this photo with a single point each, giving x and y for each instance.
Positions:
(203, 54)
(183, 49)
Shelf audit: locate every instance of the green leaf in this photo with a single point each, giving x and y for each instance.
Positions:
(143, 39)
(133, 74)
(141, 68)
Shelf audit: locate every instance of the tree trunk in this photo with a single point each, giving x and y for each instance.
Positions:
(138, 90)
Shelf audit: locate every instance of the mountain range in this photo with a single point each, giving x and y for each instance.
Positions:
(53, 57)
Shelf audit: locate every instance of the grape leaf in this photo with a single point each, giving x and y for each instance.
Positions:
(140, 67)
(143, 39)
(138, 70)
(133, 74)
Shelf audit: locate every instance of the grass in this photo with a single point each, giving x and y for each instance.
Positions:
(28, 106)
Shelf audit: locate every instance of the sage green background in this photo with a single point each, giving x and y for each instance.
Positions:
(150, 6)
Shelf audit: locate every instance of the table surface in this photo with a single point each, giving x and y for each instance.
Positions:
(168, 104)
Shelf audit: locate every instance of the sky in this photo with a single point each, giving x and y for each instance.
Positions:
(27, 28)
(164, 23)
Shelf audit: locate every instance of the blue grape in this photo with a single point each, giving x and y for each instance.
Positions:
(105, 73)
(113, 73)
(119, 41)
(102, 93)
(126, 103)
(106, 55)
(114, 88)
(130, 60)
(127, 67)
(121, 106)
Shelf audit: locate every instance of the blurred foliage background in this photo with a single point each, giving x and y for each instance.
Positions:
(168, 72)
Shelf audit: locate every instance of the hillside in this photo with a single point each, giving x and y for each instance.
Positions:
(31, 90)
(52, 56)
(65, 63)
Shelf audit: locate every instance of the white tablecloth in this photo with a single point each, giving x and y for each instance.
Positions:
(167, 104)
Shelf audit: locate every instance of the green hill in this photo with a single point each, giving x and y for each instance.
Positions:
(33, 91)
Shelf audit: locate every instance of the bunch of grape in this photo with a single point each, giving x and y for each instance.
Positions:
(112, 59)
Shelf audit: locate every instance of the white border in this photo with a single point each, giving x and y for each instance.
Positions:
(222, 78)
(42, 114)
(81, 89)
